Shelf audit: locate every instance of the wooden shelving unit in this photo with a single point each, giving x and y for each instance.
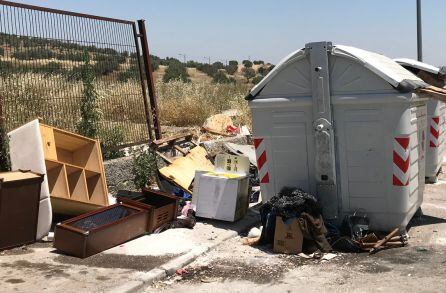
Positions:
(75, 171)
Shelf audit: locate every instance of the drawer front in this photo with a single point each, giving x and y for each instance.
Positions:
(49, 146)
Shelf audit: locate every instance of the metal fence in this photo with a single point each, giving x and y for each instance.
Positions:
(48, 59)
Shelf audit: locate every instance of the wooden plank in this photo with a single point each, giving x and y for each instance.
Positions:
(181, 150)
(159, 142)
(49, 146)
(17, 175)
(102, 170)
(162, 156)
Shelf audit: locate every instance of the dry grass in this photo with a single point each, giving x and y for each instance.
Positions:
(57, 101)
(189, 104)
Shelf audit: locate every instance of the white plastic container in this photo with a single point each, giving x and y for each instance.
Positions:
(436, 114)
(223, 194)
(344, 124)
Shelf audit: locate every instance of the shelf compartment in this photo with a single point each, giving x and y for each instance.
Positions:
(77, 183)
(96, 190)
(57, 180)
(76, 150)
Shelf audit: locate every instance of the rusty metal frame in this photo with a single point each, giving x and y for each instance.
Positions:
(143, 84)
(149, 78)
(57, 11)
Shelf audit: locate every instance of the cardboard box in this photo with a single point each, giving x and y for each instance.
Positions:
(288, 237)
(224, 193)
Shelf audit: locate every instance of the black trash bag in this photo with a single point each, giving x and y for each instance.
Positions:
(268, 220)
(356, 226)
(339, 242)
(291, 202)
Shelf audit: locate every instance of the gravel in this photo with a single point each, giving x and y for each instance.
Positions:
(118, 173)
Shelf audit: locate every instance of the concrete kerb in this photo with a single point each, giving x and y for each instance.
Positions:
(179, 262)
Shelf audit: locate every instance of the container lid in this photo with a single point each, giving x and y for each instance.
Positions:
(420, 65)
(224, 175)
(396, 75)
(17, 175)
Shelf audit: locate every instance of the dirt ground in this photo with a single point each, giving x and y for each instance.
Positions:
(418, 267)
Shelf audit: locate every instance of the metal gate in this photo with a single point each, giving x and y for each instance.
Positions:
(45, 55)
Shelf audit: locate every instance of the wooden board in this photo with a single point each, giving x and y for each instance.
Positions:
(13, 176)
(48, 143)
(182, 170)
(72, 207)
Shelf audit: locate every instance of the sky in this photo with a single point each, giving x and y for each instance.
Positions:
(269, 30)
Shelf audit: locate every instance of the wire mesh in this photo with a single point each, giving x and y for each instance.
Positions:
(43, 58)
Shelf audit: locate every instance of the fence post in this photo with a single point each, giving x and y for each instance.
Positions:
(149, 78)
(143, 84)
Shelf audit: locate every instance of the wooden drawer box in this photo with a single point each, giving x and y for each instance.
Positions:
(100, 230)
(161, 206)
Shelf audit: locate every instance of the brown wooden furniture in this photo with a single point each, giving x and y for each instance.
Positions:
(19, 207)
(162, 207)
(100, 230)
(75, 171)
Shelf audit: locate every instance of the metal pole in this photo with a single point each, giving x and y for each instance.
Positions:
(149, 78)
(143, 84)
(419, 33)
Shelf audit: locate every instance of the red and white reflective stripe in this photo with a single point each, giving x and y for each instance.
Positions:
(401, 161)
(434, 132)
(259, 146)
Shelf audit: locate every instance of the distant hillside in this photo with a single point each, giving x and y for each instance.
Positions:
(247, 72)
(19, 54)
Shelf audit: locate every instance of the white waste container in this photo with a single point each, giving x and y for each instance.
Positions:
(436, 112)
(346, 125)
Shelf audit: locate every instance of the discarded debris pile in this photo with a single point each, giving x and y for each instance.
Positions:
(356, 236)
(292, 221)
(72, 185)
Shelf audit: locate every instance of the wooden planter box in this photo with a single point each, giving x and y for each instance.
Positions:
(100, 230)
(162, 207)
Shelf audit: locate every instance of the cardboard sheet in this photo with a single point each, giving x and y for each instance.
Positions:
(182, 170)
